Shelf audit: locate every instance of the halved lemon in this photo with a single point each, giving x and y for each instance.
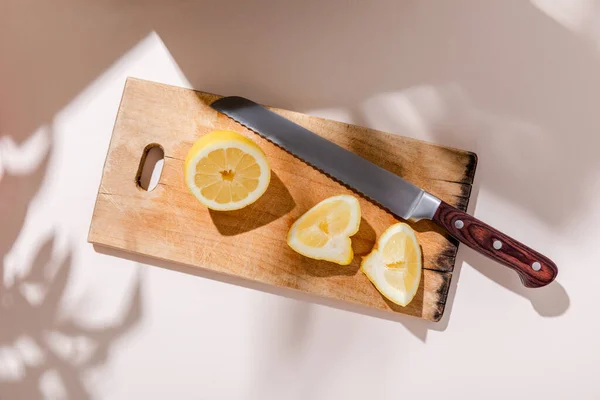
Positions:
(324, 231)
(394, 264)
(226, 171)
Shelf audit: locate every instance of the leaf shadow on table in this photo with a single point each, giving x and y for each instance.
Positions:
(272, 205)
(44, 344)
(40, 344)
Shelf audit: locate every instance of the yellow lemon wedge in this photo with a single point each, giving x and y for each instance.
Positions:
(226, 171)
(324, 231)
(394, 264)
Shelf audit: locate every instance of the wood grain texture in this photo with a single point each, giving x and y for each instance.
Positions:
(168, 223)
(481, 237)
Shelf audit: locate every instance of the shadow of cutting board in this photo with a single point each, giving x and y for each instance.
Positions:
(169, 223)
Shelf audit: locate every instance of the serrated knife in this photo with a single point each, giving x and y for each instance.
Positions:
(389, 190)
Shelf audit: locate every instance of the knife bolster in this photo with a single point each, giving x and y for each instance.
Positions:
(425, 207)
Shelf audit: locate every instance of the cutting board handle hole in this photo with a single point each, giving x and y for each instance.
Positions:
(151, 166)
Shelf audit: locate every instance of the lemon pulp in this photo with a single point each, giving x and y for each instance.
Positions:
(226, 171)
(324, 231)
(394, 265)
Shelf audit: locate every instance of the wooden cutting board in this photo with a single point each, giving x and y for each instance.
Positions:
(169, 223)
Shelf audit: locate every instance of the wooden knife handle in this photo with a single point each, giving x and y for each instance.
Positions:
(535, 269)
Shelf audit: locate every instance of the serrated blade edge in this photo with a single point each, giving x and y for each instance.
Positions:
(391, 191)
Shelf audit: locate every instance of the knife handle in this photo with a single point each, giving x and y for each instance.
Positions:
(534, 269)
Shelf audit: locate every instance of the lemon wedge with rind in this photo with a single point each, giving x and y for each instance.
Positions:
(225, 171)
(323, 232)
(394, 265)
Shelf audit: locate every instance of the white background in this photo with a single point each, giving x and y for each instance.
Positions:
(516, 81)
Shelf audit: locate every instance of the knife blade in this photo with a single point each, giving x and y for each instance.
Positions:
(399, 196)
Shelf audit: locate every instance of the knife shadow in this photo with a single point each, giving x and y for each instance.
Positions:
(550, 301)
(272, 205)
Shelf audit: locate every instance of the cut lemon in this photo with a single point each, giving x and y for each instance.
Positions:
(324, 231)
(226, 171)
(394, 265)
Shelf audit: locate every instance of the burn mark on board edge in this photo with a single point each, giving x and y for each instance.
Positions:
(442, 293)
(445, 261)
(471, 167)
(437, 314)
(447, 256)
(443, 289)
(463, 200)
